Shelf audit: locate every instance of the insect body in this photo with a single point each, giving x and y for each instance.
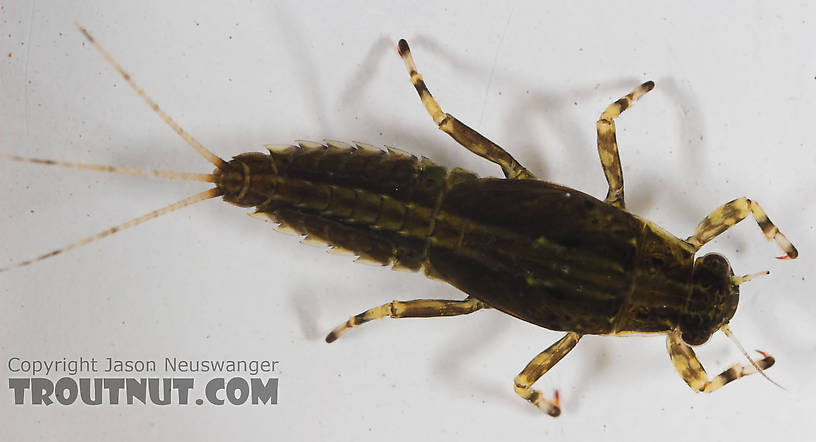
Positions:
(544, 253)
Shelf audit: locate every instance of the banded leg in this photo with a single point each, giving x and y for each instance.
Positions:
(692, 371)
(464, 135)
(419, 308)
(608, 144)
(733, 212)
(540, 365)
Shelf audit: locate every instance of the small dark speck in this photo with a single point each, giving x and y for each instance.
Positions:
(736, 251)
(575, 103)
(230, 37)
(60, 34)
(197, 23)
(22, 43)
(32, 211)
(499, 92)
(380, 133)
(229, 79)
(701, 138)
(580, 49)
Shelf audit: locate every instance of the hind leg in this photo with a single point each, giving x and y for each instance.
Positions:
(464, 135)
(419, 308)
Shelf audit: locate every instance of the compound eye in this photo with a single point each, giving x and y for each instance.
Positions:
(716, 261)
(696, 337)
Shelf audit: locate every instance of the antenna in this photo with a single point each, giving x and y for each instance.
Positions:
(737, 280)
(725, 329)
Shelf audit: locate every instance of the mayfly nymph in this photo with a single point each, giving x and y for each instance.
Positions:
(544, 253)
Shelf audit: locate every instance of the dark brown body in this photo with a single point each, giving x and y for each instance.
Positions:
(544, 253)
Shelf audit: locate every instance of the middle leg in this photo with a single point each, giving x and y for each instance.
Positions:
(608, 144)
(540, 365)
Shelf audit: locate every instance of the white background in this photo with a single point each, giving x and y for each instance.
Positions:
(731, 116)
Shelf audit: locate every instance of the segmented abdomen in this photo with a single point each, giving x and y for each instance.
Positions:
(378, 204)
